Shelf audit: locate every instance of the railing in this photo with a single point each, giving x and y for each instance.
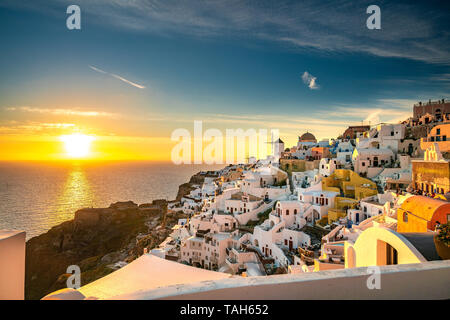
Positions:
(429, 103)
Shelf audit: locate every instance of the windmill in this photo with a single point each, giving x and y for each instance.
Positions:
(272, 143)
(276, 145)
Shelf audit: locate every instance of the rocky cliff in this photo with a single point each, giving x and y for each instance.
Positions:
(186, 188)
(98, 240)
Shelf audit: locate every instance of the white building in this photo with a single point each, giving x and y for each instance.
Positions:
(370, 162)
(327, 166)
(344, 152)
(278, 148)
(242, 202)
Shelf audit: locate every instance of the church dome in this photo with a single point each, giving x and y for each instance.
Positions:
(307, 137)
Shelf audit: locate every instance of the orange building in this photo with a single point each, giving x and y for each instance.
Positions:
(320, 152)
(440, 135)
(432, 174)
(352, 131)
(420, 214)
(437, 108)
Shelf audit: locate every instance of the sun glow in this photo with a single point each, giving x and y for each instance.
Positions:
(77, 145)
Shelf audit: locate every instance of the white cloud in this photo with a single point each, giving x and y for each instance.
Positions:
(134, 84)
(310, 81)
(65, 112)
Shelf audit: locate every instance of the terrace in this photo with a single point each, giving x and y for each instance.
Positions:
(429, 280)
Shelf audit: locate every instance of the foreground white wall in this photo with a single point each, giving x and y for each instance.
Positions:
(429, 280)
(12, 265)
(150, 277)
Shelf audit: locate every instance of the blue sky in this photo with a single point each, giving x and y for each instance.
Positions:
(144, 68)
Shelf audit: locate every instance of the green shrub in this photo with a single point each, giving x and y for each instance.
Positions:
(444, 233)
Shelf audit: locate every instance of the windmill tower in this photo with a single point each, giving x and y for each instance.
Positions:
(277, 147)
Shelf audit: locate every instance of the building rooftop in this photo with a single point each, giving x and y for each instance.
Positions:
(424, 243)
(307, 137)
(423, 207)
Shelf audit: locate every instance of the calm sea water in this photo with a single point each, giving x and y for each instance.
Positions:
(36, 196)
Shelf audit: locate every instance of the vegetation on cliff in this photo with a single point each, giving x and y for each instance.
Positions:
(98, 240)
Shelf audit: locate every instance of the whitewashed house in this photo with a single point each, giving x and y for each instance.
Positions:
(370, 162)
(327, 166)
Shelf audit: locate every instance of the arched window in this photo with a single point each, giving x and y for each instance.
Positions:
(295, 211)
(405, 216)
(287, 212)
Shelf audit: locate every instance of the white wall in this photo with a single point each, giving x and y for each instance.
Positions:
(12, 265)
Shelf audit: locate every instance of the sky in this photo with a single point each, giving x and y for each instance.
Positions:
(138, 70)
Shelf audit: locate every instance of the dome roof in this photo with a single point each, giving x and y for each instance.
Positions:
(307, 137)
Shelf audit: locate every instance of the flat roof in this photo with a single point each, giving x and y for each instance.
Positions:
(424, 243)
(146, 273)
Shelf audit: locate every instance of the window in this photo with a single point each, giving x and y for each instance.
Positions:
(287, 212)
(438, 131)
(391, 255)
(295, 211)
(405, 216)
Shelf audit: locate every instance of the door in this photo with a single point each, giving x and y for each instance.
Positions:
(391, 255)
(291, 245)
(410, 149)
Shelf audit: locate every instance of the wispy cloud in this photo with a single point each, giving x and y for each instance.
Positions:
(417, 31)
(310, 81)
(30, 127)
(98, 70)
(67, 112)
(134, 84)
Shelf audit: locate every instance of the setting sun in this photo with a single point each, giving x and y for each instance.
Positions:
(77, 145)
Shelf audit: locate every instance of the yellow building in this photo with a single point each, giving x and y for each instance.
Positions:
(351, 187)
(298, 165)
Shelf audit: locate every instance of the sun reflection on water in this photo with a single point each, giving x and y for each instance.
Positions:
(76, 193)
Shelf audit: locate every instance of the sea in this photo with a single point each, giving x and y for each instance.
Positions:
(36, 196)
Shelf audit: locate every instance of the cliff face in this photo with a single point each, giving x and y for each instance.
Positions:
(186, 188)
(95, 240)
